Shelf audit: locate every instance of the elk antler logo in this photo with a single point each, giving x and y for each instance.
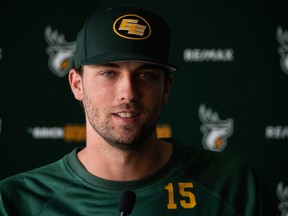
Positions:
(0, 53)
(215, 131)
(282, 37)
(282, 193)
(60, 52)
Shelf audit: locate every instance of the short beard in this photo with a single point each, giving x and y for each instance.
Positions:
(137, 135)
(135, 141)
(132, 142)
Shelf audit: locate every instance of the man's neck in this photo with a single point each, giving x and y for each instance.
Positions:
(107, 162)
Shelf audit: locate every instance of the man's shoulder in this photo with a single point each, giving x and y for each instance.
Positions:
(207, 161)
(42, 173)
(21, 177)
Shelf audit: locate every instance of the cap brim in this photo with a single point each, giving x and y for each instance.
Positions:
(119, 57)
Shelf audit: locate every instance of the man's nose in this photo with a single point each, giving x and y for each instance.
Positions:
(128, 89)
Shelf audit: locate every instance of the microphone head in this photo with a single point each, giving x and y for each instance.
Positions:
(127, 202)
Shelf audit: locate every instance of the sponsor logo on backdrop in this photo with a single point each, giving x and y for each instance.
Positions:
(215, 131)
(277, 132)
(0, 53)
(60, 52)
(77, 132)
(70, 132)
(282, 194)
(282, 37)
(164, 131)
(208, 55)
(0, 126)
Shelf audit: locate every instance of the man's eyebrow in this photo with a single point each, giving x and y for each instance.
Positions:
(109, 64)
(143, 66)
(150, 66)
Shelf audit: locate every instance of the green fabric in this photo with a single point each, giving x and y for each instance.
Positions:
(193, 182)
(101, 40)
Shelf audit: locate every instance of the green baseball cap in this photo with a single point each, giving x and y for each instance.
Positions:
(122, 34)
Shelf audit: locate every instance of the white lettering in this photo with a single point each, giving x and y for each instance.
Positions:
(276, 132)
(47, 133)
(215, 55)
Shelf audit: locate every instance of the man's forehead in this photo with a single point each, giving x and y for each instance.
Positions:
(133, 64)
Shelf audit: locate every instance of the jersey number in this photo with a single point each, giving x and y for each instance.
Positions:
(188, 202)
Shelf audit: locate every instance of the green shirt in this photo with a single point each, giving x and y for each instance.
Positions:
(193, 182)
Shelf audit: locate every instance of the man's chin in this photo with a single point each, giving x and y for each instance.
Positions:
(126, 146)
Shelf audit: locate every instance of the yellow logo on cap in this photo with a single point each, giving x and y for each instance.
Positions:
(132, 27)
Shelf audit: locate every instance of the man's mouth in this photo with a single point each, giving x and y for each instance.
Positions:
(126, 114)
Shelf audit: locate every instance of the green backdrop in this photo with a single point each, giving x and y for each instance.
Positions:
(229, 95)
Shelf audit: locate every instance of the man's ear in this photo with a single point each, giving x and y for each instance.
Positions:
(75, 81)
(167, 89)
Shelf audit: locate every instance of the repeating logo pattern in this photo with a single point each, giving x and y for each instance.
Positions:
(282, 194)
(208, 55)
(0, 126)
(60, 52)
(276, 132)
(215, 131)
(0, 53)
(282, 37)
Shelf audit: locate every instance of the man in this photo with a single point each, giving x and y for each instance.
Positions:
(122, 77)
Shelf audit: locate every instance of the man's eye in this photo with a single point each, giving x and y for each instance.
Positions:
(109, 74)
(147, 75)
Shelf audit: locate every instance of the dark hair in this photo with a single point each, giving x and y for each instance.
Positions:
(79, 70)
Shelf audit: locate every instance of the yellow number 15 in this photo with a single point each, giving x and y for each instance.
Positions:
(190, 200)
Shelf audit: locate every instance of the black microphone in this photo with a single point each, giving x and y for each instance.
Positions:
(127, 202)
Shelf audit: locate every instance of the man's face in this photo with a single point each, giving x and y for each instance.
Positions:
(123, 100)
